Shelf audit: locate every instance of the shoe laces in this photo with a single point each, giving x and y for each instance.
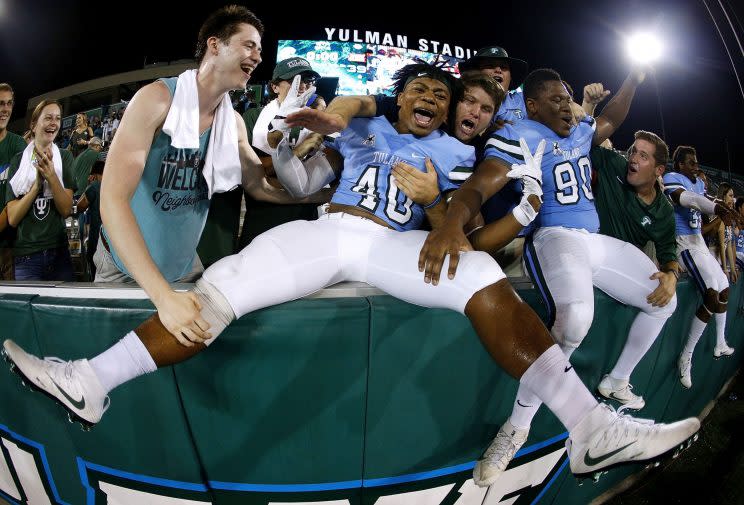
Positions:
(503, 445)
(60, 369)
(623, 425)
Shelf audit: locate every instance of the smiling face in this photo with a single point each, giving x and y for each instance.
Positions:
(728, 199)
(45, 128)
(552, 107)
(643, 169)
(423, 104)
(237, 58)
(473, 114)
(6, 108)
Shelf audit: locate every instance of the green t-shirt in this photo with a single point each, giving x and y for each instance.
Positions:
(249, 117)
(81, 168)
(625, 216)
(220, 235)
(42, 227)
(11, 145)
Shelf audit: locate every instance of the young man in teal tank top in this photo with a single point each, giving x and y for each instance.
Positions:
(228, 51)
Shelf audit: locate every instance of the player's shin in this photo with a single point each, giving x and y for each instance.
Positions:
(151, 345)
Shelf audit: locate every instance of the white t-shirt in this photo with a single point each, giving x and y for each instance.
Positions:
(261, 129)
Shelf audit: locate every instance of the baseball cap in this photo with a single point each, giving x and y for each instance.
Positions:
(287, 69)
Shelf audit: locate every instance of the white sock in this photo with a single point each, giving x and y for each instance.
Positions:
(525, 407)
(528, 403)
(696, 330)
(122, 362)
(552, 378)
(721, 329)
(641, 337)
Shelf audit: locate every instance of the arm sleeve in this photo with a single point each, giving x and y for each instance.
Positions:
(298, 178)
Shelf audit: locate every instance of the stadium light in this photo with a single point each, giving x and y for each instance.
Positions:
(644, 48)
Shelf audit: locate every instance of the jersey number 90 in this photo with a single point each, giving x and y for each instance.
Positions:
(567, 182)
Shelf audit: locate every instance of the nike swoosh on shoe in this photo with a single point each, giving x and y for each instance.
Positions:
(593, 461)
(78, 404)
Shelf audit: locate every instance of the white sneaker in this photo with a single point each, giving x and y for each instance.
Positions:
(609, 388)
(494, 461)
(685, 369)
(605, 438)
(724, 350)
(72, 383)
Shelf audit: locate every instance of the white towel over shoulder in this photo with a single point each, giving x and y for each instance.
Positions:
(222, 164)
(26, 174)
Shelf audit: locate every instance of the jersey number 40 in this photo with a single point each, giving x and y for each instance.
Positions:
(399, 212)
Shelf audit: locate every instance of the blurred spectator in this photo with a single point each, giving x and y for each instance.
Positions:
(739, 207)
(722, 240)
(81, 135)
(10, 145)
(95, 124)
(90, 204)
(39, 200)
(84, 162)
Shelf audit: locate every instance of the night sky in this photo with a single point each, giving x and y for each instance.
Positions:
(46, 45)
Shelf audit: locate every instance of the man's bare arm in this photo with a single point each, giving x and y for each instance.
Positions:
(337, 116)
(617, 109)
(145, 115)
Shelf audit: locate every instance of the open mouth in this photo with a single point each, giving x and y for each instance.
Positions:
(51, 131)
(567, 119)
(423, 117)
(632, 168)
(247, 69)
(467, 126)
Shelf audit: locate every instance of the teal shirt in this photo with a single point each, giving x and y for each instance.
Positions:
(170, 203)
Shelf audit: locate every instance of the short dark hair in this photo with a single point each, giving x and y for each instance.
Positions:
(487, 84)
(661, 151)
(405, 74)
(680, 153)
(738, 203)
(223, 24)
(534, 83)
(4, 86)
(568, 88)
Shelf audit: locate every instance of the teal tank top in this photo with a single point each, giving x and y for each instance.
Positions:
(170, 203)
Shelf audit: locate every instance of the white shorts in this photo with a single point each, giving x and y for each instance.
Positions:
(298, 258)
(700, 264)
(566, 263)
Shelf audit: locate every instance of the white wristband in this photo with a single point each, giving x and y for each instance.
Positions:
(524, 212)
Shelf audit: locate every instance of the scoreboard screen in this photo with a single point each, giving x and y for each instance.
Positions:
(362, 69)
